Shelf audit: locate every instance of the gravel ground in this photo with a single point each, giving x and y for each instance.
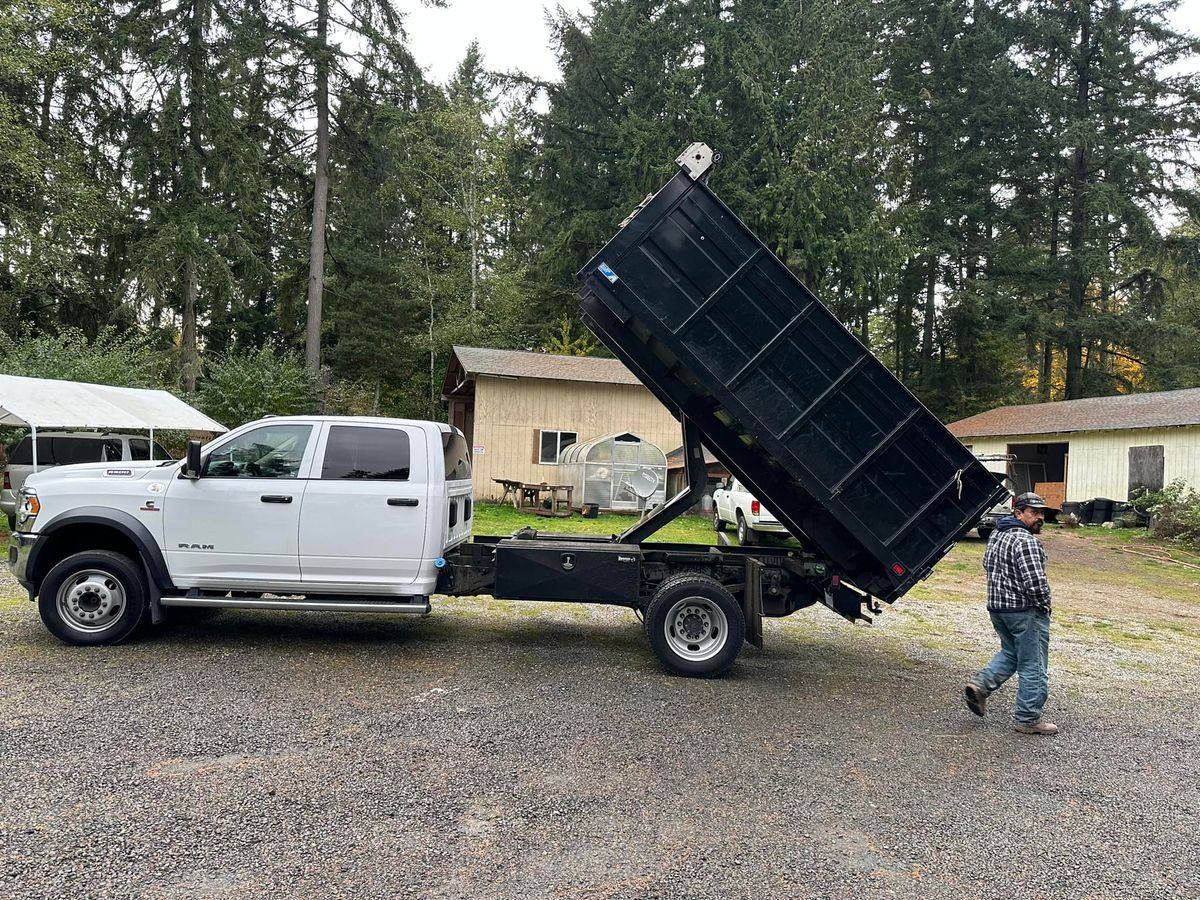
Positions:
(523, 750)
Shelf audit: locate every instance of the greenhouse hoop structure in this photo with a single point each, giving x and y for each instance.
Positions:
(617, 472)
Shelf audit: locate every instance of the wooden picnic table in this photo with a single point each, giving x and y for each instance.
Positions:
(529, 496)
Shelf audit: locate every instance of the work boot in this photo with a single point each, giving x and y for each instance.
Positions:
(976, 698)
(1040, 727)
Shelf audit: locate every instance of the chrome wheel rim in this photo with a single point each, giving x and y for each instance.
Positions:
(696, 629)
(91, 600)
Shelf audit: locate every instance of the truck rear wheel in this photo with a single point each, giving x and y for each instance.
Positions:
(745, 532)
(695, 626)
(985, 531)
(93, 598)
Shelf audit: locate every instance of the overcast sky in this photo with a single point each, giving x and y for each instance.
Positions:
(513, 33)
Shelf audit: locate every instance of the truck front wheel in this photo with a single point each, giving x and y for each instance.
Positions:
(93, 598)
(695, 626)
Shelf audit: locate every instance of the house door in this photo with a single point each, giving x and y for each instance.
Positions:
(1146, 466)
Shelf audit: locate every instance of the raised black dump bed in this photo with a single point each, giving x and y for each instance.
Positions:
(724, 334)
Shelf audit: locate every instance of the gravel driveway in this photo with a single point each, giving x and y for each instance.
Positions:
(523, 750)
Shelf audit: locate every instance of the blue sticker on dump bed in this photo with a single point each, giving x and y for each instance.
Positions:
(608, 273)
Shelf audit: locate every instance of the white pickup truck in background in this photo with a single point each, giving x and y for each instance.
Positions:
(734, 505)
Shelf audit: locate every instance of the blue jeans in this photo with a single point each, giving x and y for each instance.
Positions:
(1025, 650)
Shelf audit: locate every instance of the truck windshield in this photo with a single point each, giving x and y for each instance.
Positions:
(458, 456)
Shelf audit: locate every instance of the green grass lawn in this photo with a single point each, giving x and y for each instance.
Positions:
(502, 519)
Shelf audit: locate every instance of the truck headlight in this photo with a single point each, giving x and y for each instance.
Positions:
(30, 506)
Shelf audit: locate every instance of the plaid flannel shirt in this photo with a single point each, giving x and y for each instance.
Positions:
(1015, 562)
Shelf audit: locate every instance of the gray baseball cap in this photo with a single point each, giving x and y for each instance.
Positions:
(1030, 500)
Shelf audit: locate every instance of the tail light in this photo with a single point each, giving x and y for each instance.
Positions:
(7, 482)
(755, 506)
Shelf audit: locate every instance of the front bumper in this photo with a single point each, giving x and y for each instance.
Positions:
(20, 545)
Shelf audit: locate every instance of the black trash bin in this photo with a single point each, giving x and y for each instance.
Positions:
(1102, 510)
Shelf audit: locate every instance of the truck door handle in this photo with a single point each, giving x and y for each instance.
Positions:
(276, 498)
(403, 501)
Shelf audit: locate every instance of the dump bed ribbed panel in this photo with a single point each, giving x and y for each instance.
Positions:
(719, 329)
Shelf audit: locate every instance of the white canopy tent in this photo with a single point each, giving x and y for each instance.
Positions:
(47, 403)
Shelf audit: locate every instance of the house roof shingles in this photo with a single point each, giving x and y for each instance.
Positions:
(1160, 410)
(522, 364)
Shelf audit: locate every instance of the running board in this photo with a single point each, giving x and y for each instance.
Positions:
(415, 606)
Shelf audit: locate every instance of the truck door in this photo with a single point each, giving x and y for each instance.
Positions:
(237, 524)
(365, 510)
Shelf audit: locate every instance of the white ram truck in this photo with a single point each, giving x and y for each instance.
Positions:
(370, 515)
(352, 513)
(734, 505)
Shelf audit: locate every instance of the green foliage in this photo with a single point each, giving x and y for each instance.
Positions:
(121, 358)
(566, 342)
(244, 385)
(1175, 513)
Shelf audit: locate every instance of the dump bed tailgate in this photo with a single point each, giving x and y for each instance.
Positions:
(721, 331)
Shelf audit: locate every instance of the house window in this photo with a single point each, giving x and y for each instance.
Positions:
(553, 443)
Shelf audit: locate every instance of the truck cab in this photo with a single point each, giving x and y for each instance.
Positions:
(316, 506)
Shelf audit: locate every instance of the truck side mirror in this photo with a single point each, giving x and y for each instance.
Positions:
(191, 468)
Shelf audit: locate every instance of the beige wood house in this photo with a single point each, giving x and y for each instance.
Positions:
(519, 410)
(1098, 447)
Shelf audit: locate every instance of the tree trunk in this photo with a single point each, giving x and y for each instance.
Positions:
(432, 348)
(189, 362)
(473, 220)
(1046, 371)
(189, 357)
(316, 258)
(930, 314)
(1077, 287)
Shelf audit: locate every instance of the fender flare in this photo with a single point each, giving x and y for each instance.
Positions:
(118, 520)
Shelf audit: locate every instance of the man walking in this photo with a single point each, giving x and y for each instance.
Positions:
(1018, 601)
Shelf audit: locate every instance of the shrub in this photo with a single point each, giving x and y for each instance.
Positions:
(1174, 513)
(245, 385)
(121, 358)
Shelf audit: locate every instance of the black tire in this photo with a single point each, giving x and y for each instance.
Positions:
(719, 524)
(107, 587)
(985, 531)
(12, 523)
(695, 599)
(745, 533)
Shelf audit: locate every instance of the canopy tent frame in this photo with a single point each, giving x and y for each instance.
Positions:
(51, 403)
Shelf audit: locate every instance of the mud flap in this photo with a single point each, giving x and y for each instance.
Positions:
(752, 602)
(154, 593)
